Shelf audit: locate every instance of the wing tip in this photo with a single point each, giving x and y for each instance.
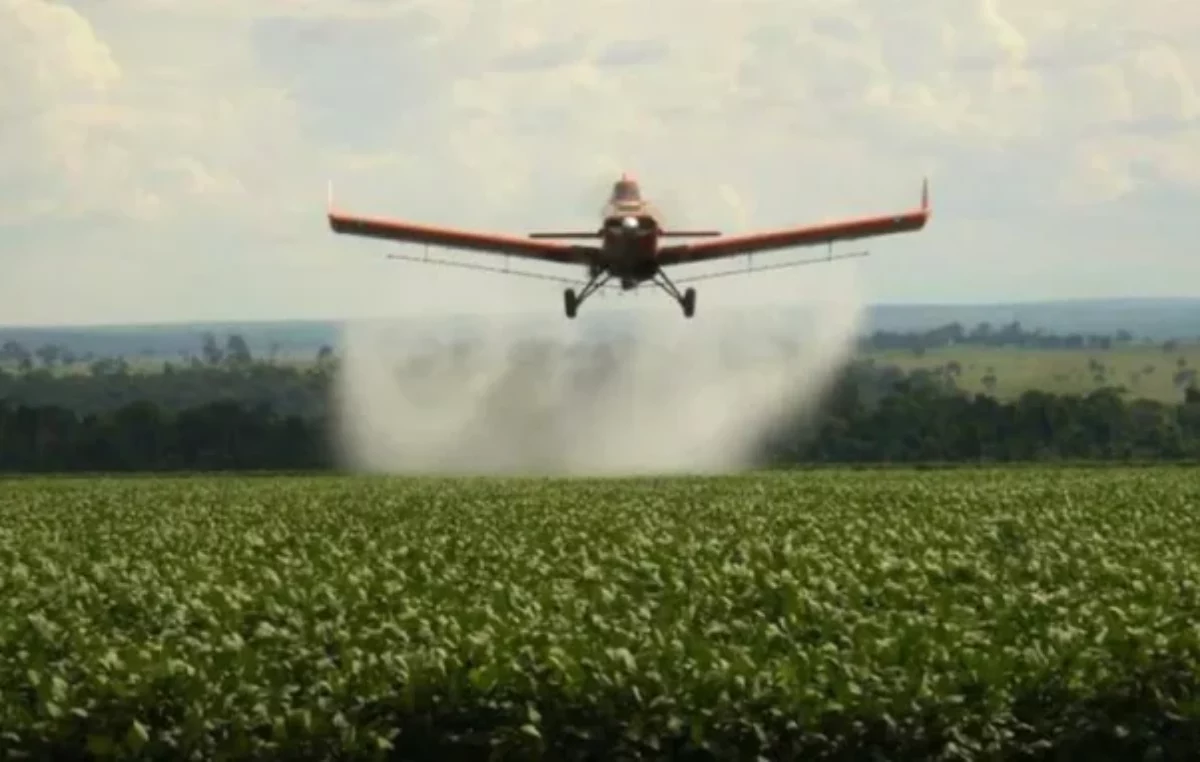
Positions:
(925, 211)
(331, 214)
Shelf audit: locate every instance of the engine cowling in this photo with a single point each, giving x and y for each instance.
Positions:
(629, 224)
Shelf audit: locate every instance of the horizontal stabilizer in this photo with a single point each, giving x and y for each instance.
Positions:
(568, 234)
(662, 233)
(690, 233)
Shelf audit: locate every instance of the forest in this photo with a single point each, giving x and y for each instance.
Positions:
(224, 409)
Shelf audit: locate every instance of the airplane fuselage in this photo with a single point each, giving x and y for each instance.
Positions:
(629, 242)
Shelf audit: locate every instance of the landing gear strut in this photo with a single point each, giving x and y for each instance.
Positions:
(687, 300)
(571, 301)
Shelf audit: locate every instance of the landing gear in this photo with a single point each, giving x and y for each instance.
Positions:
(687, 300)
(571, 300)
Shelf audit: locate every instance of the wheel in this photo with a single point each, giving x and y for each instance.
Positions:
(570, 303)
(689, 302)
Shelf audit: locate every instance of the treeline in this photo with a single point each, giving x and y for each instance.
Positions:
(922, 417)
(144, 436)
(1012, 335)
(227, 420)
(233, 352)
(227, 370)
(213, 352)
(111, 383)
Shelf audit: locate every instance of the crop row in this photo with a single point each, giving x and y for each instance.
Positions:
(921, 615)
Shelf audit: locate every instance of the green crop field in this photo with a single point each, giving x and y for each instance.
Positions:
(1017, 613)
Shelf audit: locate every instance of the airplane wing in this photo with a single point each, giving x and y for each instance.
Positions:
(490, 243)
(845, 230)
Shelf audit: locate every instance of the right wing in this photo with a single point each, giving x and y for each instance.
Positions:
(489, 243)
(809, 235)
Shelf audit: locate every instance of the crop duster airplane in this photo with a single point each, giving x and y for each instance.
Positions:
(629, 246)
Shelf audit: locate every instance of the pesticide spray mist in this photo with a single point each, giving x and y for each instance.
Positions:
(664, 395)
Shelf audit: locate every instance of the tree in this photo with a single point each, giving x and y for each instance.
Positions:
(237, 351)
(1185, 378)
(13, 351)
(325, 357)
(47, 353)
(211, 351)
(989, 381)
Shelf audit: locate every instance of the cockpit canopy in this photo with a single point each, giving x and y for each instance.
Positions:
(626, 190)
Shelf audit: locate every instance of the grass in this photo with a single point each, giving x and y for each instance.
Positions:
(1146, 371)
(918, 614)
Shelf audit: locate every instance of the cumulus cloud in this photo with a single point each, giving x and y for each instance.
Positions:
(185, 145)
(55, 74)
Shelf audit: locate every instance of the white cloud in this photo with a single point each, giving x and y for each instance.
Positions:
(54, 74)
(188, 142)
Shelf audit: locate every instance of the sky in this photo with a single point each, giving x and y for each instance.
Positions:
(169, 160)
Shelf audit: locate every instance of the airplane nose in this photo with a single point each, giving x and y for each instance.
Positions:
(630, 222)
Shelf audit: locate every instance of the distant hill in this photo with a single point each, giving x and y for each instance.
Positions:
(170, 339)
(1158, 319)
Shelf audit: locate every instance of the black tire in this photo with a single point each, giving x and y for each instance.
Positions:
(570, 303)
(689, 302)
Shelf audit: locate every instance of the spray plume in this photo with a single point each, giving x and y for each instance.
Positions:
(664, 395)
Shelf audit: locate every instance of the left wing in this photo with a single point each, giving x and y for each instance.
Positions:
(490, 243)
(846, 230)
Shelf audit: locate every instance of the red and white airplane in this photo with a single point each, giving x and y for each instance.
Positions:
(629, 245)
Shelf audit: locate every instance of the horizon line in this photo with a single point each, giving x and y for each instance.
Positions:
(328, 320)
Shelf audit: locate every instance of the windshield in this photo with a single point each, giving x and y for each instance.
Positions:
(626, 190)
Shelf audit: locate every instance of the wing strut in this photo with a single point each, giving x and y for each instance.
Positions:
(778, 266)
(506, 270)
